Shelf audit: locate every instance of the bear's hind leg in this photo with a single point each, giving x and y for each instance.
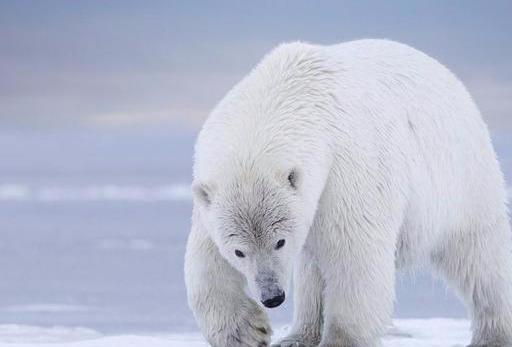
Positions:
(307, 315)
(477, 262)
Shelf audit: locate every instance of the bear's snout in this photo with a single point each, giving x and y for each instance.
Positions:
(270, 290)
(273, 301)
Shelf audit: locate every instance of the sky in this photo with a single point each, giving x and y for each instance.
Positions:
(131, 64)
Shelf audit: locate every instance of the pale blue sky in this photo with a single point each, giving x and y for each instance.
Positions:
(166, 63)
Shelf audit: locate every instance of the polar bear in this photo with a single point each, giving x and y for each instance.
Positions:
(339, 164)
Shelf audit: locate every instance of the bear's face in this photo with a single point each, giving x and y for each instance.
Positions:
(256, 225)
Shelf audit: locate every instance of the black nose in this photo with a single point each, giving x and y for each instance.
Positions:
(275, 301)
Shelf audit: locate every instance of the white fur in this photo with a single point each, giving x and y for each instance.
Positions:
(394, 167)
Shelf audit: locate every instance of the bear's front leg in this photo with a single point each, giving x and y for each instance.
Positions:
(359, 288)
(226, 315)
(307, 304)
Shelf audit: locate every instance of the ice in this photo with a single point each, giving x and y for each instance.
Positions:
(91, 193)
(406, 333)
(46, 308)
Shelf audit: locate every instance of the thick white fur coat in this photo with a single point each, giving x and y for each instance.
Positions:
(395, 168)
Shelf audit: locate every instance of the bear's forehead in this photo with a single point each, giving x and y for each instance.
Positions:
(252, 208)
(256, 221)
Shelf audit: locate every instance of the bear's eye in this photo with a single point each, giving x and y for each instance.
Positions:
(239, 254)
(280, 244)
(292, 179)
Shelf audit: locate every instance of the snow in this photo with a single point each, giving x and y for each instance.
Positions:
(437, 332)
(23, 335)
(434, 332)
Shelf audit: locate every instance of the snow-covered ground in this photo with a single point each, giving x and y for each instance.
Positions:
(405, 333)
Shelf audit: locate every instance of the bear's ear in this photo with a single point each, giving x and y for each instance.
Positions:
(202, 194)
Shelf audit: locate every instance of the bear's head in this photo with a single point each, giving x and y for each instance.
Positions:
(256, 221)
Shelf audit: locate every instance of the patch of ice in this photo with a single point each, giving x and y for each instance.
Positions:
(20, 192)
(14, 192)
(130, 244)
(46, 308)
